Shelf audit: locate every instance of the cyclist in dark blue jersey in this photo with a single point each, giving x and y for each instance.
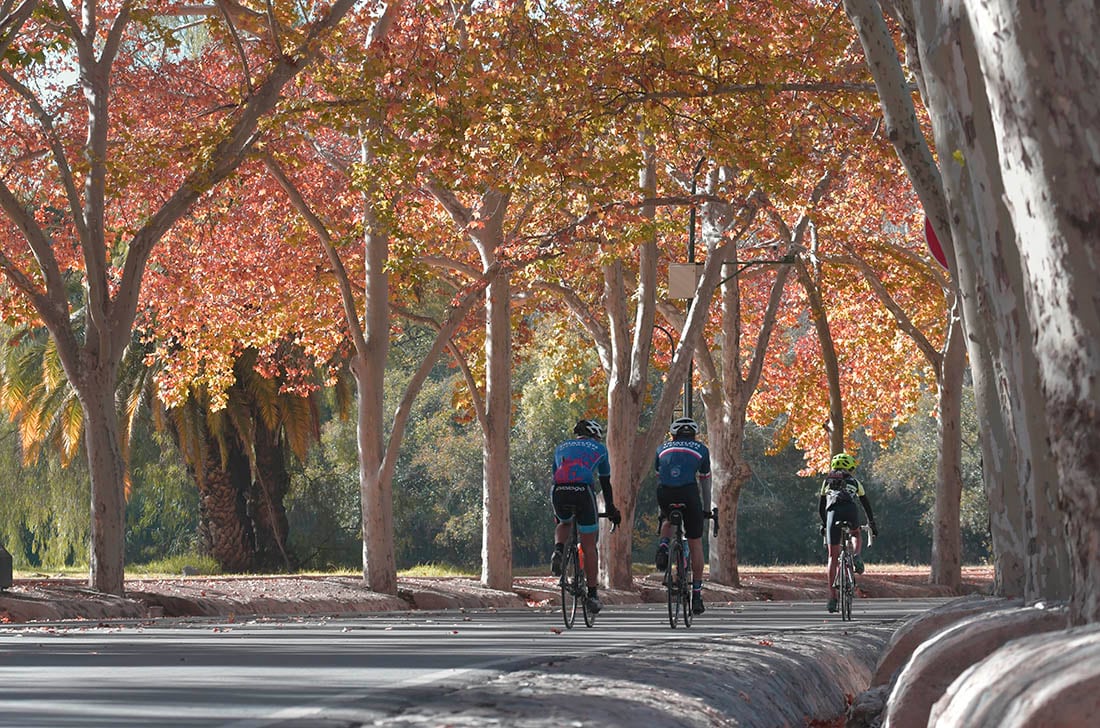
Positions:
(578, 464)
(683, 467)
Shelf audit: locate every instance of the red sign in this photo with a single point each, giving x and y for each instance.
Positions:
(934, 242)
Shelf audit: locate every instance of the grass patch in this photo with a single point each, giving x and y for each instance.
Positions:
(173, 566)
(431, 570)
(65, 572)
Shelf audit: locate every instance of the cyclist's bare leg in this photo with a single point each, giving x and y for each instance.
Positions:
(561, 533)
(834, 560)
(857, 543)
(696, 546)
(591, 558)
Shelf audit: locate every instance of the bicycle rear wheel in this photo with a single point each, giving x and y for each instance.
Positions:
(673, 586)
(846, 589)
(570, 573)
(685, 587)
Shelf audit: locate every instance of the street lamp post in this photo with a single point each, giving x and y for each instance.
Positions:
(691, 261)
(694, 280)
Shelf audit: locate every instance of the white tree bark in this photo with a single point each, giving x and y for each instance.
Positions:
(977, 230)
(494, 410)
(1041, 65)
(992, 281)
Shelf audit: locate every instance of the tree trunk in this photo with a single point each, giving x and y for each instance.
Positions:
(369, 368)
(623, 413)
(991, 279)
(1040, 69)
(946, 538)
(977, 228)
(106, 468)
(726, 403)
(223, 509)
(496, 542)
(270, 484)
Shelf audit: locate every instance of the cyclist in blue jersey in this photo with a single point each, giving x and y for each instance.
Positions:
(683, 467)
(578, 464)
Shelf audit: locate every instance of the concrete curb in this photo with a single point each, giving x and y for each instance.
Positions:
(802, 679)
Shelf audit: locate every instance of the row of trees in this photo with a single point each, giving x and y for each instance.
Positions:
(436, 494)
(240, 191)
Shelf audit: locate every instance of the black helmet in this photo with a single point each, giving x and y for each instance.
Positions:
(684, 426)
(588, 428)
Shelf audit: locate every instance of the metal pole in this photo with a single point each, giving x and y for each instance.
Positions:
(691, 259)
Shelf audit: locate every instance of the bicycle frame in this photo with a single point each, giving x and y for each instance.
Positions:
(844, 582)
(678, 571)
(574, 581)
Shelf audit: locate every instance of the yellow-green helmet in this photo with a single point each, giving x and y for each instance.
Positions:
(843, 461)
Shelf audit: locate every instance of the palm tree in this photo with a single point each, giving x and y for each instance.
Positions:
(237, 455)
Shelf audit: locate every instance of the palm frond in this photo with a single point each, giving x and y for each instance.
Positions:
(71, 430)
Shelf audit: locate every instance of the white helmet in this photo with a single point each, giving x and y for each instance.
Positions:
(684, 425)
(588, 428)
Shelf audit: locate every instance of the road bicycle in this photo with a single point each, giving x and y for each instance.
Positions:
(845, 580)
(678, 570)
(573, 580)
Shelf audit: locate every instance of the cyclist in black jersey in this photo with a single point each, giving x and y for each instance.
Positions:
(836, 505)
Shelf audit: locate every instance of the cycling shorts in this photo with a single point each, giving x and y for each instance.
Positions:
(689, 496)
(582, 498)
(840, 513)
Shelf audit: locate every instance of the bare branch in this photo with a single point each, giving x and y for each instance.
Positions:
(13, 21)
(347, 297)
(57, 150)
(246, 72)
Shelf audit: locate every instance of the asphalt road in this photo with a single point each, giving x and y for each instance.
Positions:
(264, 672)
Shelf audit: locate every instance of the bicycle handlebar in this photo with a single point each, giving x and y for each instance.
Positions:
(866, 529)
(713, 516)
(603, 514)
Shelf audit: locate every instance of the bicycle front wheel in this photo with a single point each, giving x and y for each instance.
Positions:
(685, 587)
(570, 574)
(673, 586)
(846, 588)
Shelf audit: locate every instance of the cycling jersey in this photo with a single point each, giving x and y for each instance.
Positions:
(680, 462)
(581, 460)
(840, 486)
